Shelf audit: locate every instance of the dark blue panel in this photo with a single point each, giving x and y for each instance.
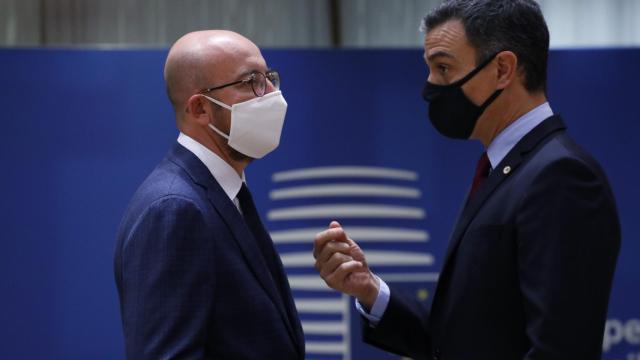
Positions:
(83, 128)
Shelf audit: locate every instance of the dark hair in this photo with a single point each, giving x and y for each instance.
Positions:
(497, 25)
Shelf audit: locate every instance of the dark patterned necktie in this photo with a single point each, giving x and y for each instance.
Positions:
(269, 253)
(264, 242)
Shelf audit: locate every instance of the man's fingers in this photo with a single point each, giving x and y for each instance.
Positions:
(337, 257)
(326, 236)
(330, 249)
(333, 262)
(337, 277)
(340, 236)
(356, 252)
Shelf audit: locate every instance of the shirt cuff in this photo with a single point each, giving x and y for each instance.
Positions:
(379, 306)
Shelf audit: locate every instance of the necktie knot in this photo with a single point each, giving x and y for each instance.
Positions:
(246, 201)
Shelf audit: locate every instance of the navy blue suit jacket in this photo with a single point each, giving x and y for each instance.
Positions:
(529, 266)
(191, 278)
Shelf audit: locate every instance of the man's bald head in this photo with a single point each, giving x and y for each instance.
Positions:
(200, 59)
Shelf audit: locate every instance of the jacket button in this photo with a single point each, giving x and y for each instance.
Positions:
(436, 354)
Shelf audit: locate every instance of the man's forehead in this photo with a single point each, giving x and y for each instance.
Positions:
(445, 40)
(230, 65)
(243, 66)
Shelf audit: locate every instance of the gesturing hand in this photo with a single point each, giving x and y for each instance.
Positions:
(342, 265)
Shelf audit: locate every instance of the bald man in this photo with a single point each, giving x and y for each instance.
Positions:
(197, 274)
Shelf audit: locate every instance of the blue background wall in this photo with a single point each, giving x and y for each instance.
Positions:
(83, 128)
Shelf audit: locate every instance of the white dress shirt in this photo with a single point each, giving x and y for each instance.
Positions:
(224, 174)
(497, 150)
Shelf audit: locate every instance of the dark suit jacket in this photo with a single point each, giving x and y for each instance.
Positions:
(191, 279)
(529, 266)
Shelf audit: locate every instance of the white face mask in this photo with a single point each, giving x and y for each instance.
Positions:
(256, 124)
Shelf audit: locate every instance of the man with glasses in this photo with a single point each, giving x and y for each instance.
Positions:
(197, 273)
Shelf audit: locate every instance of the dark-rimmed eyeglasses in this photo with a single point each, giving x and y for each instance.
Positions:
(257, 80)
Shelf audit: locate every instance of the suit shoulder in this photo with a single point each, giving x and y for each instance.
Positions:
(562, 155)
(167, 188)
(168, 180)
(562, 167)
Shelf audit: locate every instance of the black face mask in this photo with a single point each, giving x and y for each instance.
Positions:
(450, 111)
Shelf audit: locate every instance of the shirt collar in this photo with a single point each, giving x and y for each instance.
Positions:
(509, 137)
(224, 174)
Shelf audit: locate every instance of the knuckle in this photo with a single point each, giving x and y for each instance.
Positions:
(339, 258)
(329, 279)
(345, 266)
(335, 256)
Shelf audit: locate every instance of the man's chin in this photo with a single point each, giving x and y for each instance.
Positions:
(238, 156)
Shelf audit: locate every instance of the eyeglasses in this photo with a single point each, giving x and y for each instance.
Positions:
(257, 80)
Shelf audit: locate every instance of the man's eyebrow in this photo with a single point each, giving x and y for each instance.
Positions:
(242, 74)
(246, 72)
(439, 54)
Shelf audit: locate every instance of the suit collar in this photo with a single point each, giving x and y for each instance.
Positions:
(506, 168)
(512, 134)
(224, 174)
(241, 233)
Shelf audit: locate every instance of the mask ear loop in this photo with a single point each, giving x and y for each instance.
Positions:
(217, 102)
(218, 131)
(475, 71)
(495, 94)
(224, 106)
(490, 100)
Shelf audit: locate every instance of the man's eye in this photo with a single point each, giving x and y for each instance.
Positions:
(248, 81)
(443, 69)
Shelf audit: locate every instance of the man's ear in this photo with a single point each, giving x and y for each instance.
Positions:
(507, 68)
(197, 109)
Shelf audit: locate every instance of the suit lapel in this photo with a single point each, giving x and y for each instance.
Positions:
(506, 168)
(291, 309)
(254, 258)
(241, 233)
(285, 291)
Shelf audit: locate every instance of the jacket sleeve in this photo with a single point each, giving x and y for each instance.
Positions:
(568, 242)
(403, 328)
(168, 282)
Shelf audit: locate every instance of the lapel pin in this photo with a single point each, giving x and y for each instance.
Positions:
(506, 170)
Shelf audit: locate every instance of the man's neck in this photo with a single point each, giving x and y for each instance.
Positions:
(217, 148)
(514, 108)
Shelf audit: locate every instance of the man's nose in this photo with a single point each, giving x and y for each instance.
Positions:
(429, 78)
(270, 87)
